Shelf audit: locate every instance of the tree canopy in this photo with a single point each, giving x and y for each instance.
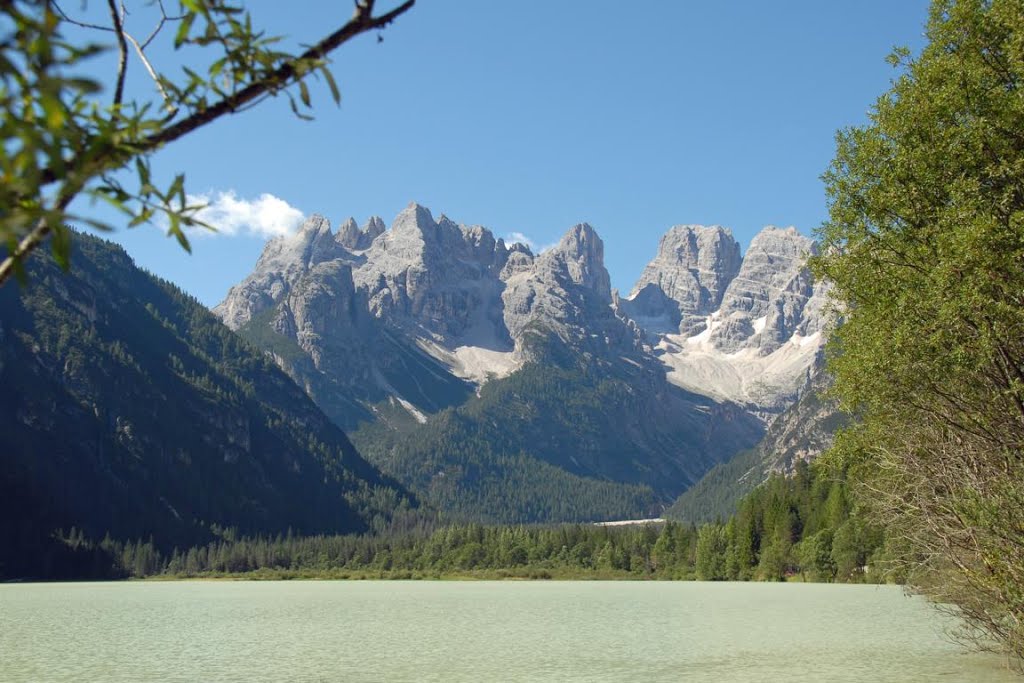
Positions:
(925, 247)
(67, 134)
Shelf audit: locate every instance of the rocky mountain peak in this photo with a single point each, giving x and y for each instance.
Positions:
(579, 257)
(566, 293)
(773, 283)
(322, 243)
(786, 242)
(296, 250)
(369, 232)
(348, 234)
(315, 224)
(693, 267)
(413, 219)
(282, 263)
(741, 328)
(353, 238)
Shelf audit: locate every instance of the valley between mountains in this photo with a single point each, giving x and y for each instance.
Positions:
(381, 379)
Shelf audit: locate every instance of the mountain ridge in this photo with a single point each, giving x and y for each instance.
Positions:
(428, 313)
(129, 409)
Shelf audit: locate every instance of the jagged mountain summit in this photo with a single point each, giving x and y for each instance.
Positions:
(451, 303)
(745, 329)
(482, 374)
(686, 280)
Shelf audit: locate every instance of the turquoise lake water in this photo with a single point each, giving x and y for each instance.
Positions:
(476, 631)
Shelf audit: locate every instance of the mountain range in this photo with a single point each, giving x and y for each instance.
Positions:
(371, 378)
(511, 386)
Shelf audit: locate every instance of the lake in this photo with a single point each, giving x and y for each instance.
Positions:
(476, 631)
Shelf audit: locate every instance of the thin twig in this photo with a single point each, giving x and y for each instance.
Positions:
(282, 76)
(140, 50)
(67, 18)
(122, 52)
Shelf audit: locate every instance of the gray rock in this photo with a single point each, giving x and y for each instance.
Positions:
(566, 292)
(348, 234)
(479, 306)
(773, 284)
(693, 267)
(283, 261)
(353, 238)
(741, 329)
(652, 309)
(434, 277)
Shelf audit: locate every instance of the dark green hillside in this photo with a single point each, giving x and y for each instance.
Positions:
(718, 493)
(563, 439)
(127, 408)
(801, 433)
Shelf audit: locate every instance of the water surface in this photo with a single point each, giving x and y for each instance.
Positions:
(476, 631)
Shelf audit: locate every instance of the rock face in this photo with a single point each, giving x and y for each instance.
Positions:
(742, 329)
(566, 293)
(351, 237)
(769, 295)
(693, 267)
(415, 314)
(806, 429)
(435, 278)
(463, 305)
(284, 260)
(355, 308)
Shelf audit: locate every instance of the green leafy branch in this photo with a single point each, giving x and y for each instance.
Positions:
(60, 141)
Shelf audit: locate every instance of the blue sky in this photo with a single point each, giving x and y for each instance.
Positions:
(529, 116)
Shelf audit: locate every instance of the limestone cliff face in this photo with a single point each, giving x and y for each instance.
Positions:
(693, 267)
(352, 238)
(769, 295)
(284, 260)
(353, 309)
(566, 292)
(435, 276)
(742, 329)
(462, 295)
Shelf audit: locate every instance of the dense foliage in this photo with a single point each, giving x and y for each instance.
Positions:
(796, 527)
(718, 494)
(925, 246)
(129, 408)
(473, 464)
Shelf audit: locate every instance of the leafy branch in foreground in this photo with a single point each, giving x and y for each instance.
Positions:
(62, 139)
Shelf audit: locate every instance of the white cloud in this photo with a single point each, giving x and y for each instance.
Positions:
(518, 237)
(266, 216)
(513, 237)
